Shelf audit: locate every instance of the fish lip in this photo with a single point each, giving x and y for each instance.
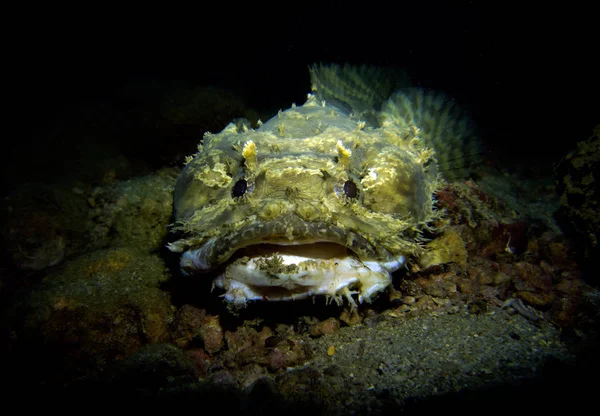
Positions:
(288, 231)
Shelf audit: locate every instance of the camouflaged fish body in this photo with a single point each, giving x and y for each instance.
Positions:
(316, 201)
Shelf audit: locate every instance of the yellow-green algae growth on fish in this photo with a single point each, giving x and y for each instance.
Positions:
(328, 198)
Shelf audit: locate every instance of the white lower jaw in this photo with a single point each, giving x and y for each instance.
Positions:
(337, 278)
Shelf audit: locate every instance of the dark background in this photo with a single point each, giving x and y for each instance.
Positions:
(524, 72)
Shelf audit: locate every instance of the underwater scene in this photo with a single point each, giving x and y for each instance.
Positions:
(391, 214)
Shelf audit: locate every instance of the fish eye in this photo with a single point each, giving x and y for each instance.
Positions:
(350, 189)
(239, 188)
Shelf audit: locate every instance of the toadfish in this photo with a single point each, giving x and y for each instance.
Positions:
(328, 198)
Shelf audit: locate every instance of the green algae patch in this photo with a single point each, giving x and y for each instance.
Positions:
(102, 307)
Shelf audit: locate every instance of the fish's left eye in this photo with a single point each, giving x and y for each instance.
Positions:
(350, 189)
(239, 188)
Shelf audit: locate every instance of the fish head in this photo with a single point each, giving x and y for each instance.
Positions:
(311, 203)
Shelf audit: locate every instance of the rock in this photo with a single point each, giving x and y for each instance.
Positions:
(576, 180)
(201, 361)
(328, 326)
(194, 326)
(448, 248)
(538, 300)
(532, 278)
(188, 320)
(350, 317)
(151, 369)
(138, 211)
(212, 333)
(42, 225)
(99, 308)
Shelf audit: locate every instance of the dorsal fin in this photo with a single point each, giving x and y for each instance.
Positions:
(355, 89)
(442, 125)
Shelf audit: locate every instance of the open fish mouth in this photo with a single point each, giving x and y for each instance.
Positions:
(291, 259)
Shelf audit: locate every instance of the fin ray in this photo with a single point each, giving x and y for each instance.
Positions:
(355, 89)
(442, 125)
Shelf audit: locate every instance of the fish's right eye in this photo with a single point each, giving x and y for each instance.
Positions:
(239, 189)
(350, 189)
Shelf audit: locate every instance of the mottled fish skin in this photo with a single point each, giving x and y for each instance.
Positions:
(319, 175)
